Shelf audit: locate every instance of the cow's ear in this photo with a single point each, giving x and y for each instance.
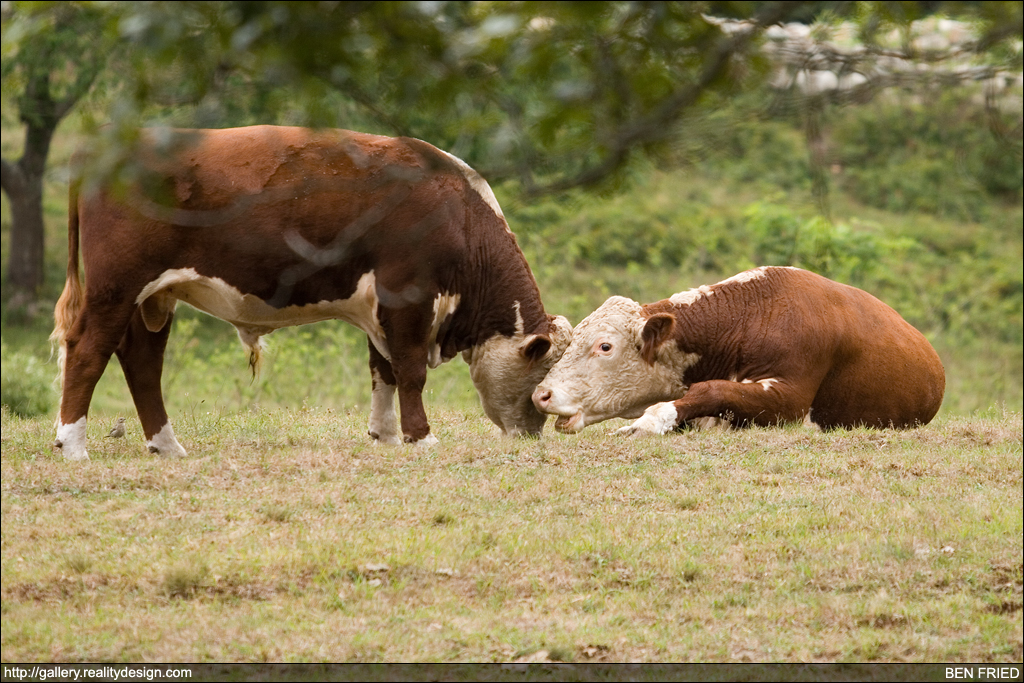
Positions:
(535, 347)
(657, 330)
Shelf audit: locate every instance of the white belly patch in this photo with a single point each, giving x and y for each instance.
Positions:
(252, 316)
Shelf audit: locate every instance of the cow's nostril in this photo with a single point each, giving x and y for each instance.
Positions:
(542, 397)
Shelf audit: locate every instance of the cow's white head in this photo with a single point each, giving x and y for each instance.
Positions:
(619, 363)
(506, 370)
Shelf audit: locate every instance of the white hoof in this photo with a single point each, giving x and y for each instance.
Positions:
(165, 444)
(71, 440)
(661, 418)
(74, 456)
(386, 439)
(427, 441)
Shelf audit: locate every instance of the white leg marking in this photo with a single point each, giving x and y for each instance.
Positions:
(72, 440)
(165, 444)
(427, 441)
(766, 383)
(658, 419)
(383, 419)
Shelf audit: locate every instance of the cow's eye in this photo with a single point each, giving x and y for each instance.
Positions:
(606, 347)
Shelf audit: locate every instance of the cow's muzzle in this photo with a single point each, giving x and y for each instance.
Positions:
(570, 416)
(542, 399)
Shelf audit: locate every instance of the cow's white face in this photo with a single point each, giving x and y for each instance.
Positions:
(617, 365)
(506, 370)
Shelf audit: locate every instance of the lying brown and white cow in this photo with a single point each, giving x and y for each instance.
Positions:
(767, 346)
(269, 227)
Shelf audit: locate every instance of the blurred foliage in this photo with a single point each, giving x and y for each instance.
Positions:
(555, 94)
(525, 89)
(54, 65)
(50, 59)
(26, 384)
(938, 154)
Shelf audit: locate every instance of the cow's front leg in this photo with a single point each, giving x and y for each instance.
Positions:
(660, 418)
(765, 402)
(411, 375)
(407, 342)
(383, 418)
(141, 354)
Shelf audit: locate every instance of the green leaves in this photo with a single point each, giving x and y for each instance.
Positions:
(51, 56)
(557, 94)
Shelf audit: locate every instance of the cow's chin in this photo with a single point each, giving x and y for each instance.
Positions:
(523, 420)
(570, 424)
(529, 425)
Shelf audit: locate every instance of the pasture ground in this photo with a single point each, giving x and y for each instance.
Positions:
(287, 536)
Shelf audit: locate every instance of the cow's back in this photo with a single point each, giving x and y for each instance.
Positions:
(289, 215)
(210, 166)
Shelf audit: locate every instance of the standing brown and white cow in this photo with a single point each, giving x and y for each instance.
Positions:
(766, 346)
(268, 227)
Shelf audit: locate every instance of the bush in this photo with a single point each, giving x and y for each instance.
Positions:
(780, 237)
(765, 153)
(938, 156)
(664, 221)
(26, 384)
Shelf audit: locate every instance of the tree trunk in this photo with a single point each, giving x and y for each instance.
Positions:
(23, 184)
(57, 67)
(25, 267)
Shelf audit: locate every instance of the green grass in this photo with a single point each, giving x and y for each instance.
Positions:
(287, 536)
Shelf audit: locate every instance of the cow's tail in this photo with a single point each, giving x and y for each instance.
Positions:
(69, 306)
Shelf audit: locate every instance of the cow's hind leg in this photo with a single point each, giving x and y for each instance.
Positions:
(765, 402)
(141, 353)
(383, 418)
(86, 352)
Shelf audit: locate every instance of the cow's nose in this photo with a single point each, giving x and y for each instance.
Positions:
(541, 398)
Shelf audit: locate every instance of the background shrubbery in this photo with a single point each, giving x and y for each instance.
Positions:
(26, 383)
(938, 156)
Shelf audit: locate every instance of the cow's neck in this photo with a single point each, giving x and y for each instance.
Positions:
(502, 300)
(701, 333)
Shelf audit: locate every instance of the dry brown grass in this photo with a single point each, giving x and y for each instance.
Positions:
(287, 536)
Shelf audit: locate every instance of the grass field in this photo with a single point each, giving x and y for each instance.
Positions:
(287, 536)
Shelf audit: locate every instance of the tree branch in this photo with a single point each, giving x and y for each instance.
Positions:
(656, 124)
